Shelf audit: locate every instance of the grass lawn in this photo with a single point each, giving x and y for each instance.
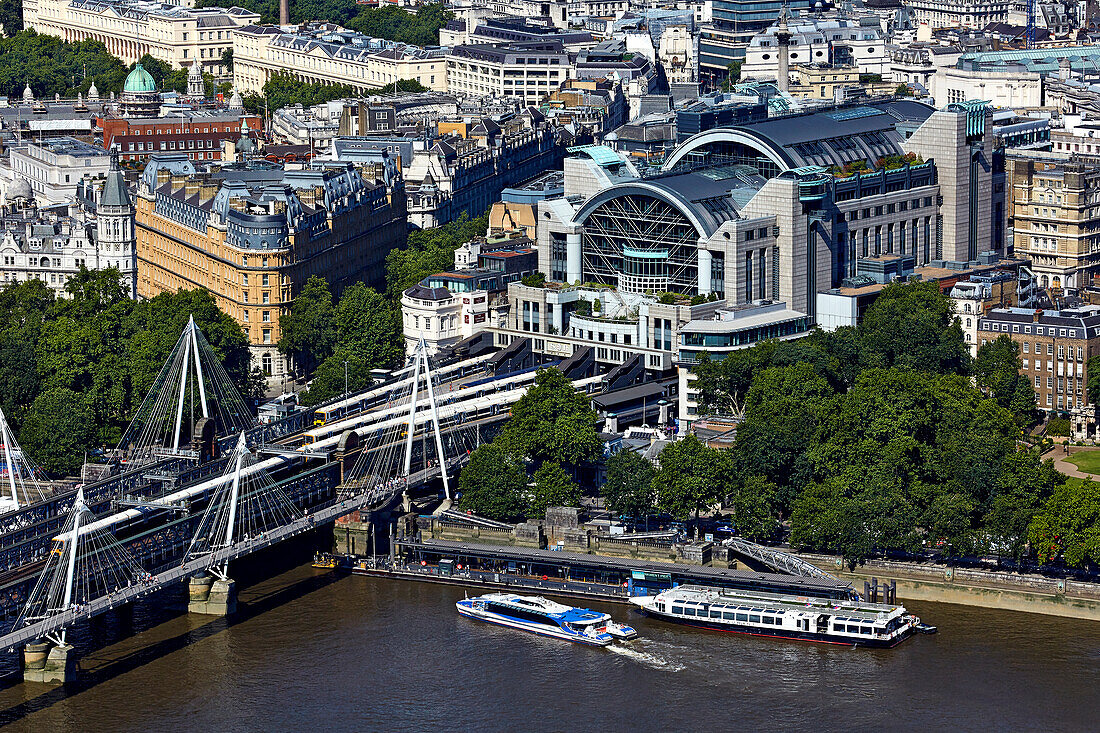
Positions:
(1087, 461)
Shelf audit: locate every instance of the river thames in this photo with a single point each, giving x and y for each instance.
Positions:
(312, 650)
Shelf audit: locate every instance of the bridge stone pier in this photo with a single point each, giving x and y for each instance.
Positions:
(211, 596)
(45, 662)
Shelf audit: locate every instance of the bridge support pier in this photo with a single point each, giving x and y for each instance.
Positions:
(49, 664)
(211, 596)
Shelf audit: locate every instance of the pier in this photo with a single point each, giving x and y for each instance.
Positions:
(571, 573)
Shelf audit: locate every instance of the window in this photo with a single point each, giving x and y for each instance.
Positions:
(267, 316)
(267, 335)
(754, 618)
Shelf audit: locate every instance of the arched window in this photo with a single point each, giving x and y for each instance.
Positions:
(45, 262)
(968, 322)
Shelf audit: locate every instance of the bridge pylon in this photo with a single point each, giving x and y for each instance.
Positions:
(82, 566)
(244, 507)
(191, 395)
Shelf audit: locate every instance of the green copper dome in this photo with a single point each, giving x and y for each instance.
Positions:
(139, 80)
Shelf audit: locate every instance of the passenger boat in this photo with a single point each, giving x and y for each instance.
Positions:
(546, 618)
(788, 617)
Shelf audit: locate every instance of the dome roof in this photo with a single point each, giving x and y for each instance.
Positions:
(235, 102)
(139, 81)
(20, 189)
(28, 95)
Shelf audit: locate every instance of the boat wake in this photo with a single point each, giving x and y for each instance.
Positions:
(648, 659)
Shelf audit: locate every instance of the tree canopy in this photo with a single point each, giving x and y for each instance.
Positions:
(875, 437)
(493, 484)
(362, 328)
(628, 487)
(429, 251)
(552, 422)
(691, 477)
(78, 367)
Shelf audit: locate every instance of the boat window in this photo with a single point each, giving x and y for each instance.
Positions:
(866, 630)
(768, 620)
(716, 613)
(729, 615)
(742, 617)
(520, 614)
(689, 611)
(852, 629)
(754, 618)
(678, 609)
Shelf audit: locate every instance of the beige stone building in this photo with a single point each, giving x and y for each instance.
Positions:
(174, 34)
(325, 53)
(1054, 212)
(822, 81)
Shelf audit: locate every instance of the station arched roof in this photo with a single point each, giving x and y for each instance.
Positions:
(825, 138)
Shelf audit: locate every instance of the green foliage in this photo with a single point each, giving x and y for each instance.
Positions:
(997, 373)
(583, 308)
(52, 66)
(628, 487)
(692, 477)
(870, 78)
(227, 60)
(553, 487)
(493, 484)
(59, 427)
(552, 422)
(283, 90)
(309, 328)
(534, 280)
(328, 379)
(902, 90)
(429, 251)
(913, 326)
(597, 306)
(733, 74)
(11, 16)
(874, 438)
(1068, 525)
(753, 508)
(363, 328)
(397, 24)
(1058, 427)
(101, 346)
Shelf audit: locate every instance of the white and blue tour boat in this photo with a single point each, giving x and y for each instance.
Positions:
(546, 618)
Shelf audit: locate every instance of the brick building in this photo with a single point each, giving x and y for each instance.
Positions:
(199, 134)
(1055, 348)
(253, 235)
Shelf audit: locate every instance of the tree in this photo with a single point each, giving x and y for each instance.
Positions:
(753, 514)
(329, 378)
(552, 422)
(1025, 483)
(58, 429)
(11, 16)
(1092, 368)
(1069, 524)
(825, 518)
(308, 330)
(227, 60)
(492, 484)
(691, 477)
(997, 373)
(52, 66)
(784, 409)
(397, 24)
(553, 487)
(370, 325)
(628, 488)
(429, 251)
(912, 325)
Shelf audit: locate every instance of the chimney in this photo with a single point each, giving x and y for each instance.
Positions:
(1038, 315)
(284, 12)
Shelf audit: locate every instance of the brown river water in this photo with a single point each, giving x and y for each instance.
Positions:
(315, 651)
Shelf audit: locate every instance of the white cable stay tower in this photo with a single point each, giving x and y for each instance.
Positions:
(245, 506)
(192, 384)
(81, 567)
(424, 441)
(22, 479)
